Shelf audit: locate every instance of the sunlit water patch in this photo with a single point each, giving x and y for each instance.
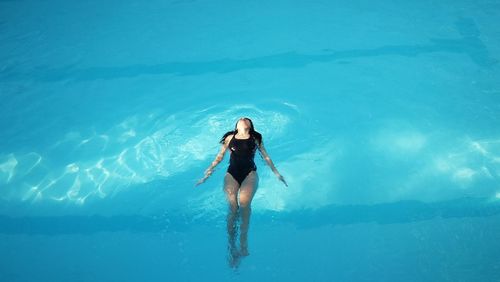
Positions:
(138, 150)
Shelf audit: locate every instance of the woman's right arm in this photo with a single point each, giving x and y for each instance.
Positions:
(220, 155)
(217, 160)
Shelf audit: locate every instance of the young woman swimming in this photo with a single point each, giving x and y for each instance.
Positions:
(241, 180)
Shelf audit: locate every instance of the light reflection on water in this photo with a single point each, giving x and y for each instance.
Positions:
(138, 150)
(398, 161)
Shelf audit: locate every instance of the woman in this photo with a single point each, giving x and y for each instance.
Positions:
(240, 180)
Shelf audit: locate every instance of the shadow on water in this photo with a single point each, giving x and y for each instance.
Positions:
(391, 213)
(469, 44)
(388, 213)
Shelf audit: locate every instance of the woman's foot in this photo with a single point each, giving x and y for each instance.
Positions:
(233, 258)
(244, 253)
(244, 250)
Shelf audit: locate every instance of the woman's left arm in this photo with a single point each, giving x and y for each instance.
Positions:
(269, 162)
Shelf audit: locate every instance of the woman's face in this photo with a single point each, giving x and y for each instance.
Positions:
(243, 125)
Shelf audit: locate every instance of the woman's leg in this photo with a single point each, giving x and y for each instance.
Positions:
(247, 191)
(231, 187)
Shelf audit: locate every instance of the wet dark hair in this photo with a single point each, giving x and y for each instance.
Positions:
(253, 134)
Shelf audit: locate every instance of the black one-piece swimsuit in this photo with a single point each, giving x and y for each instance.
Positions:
(242, 154)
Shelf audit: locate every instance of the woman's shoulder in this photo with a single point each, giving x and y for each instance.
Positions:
(257, 140)
(228, 138)
(225, 137)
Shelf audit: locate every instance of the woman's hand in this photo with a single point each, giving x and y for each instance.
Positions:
(200, 181)
(282, 179)
(208, 172)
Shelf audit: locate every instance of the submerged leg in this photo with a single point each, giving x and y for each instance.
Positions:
(231, 190)
(247, 191)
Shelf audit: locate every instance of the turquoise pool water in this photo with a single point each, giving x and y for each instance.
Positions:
(382, 117)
